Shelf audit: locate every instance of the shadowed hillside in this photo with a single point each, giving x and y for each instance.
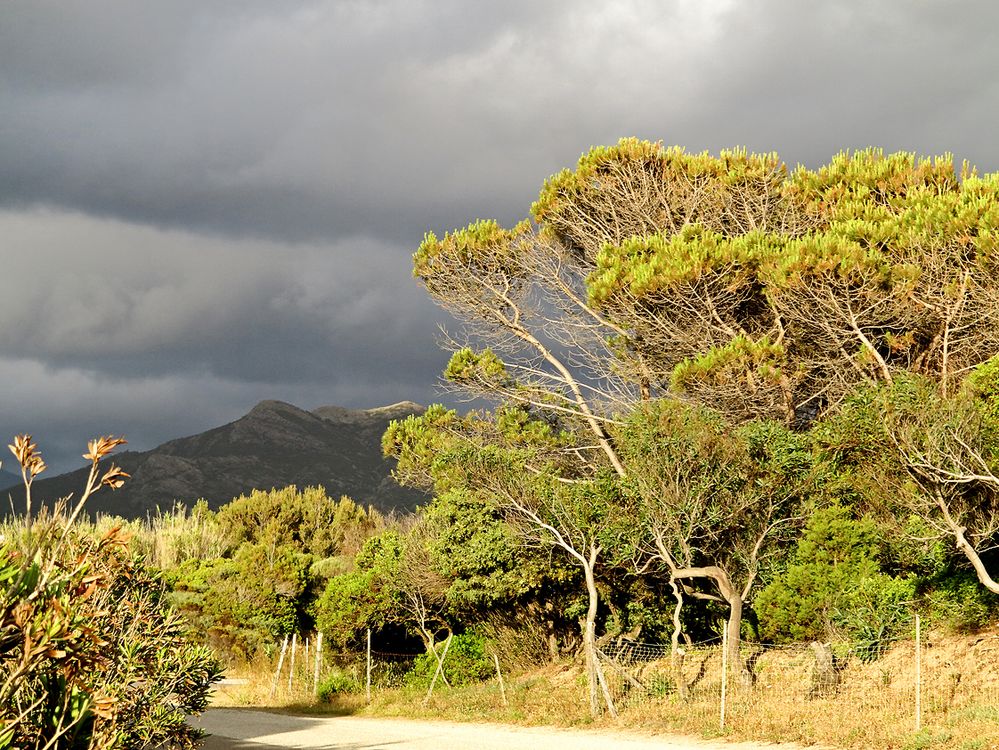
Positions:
(274, 445)
(7, 479)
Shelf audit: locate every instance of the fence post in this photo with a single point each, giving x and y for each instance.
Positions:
(499, 676)
(724, 684)
(367, 679)
(319, 651)
(277, 674)
(919, 677)
(291, 664)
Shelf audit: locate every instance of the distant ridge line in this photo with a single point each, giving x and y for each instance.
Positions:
(275, 444)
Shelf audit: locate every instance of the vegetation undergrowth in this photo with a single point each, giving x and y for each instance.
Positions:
(872, 708)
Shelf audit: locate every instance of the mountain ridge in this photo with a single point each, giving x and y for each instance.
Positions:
(274, 445)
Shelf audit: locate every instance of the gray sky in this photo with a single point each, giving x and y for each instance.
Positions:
(205, 204)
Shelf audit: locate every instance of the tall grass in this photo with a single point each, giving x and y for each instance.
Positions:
(873, 706)
(170, 538)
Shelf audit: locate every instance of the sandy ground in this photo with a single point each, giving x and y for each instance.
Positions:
(239, 729)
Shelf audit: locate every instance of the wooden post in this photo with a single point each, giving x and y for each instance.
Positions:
(367, 679)
(919, 677)
(724, 678)
(277, 674)
(291, 665)
(499, 676)
(440, 668)
(319, 651)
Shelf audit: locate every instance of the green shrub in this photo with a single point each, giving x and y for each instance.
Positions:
(466, 662)
(245, 601)
(875, 611)
(958, 602)
(364, 597)
(338, 682)
(90, 649)
(91, 655)
(834, 587)
(309, 521)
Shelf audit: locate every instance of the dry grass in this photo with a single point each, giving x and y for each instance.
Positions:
(872, 708)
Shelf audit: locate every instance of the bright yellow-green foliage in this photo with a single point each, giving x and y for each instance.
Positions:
(877, 214)
(483, 241)
(520, 428)
(653, 264)
(466, 365)
(833, 256)
(730, 167)
(856, 181)
(730, 362)
(888, 203)
(693, 353)
(308, 520)
(418, 441)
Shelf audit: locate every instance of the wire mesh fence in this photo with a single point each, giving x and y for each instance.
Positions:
(386, 670)
(903, 686)
(829, 692)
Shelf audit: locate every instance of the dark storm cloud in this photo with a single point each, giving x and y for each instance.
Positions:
(157, 333)
(207, 204)
(313, 119)
(132, 299)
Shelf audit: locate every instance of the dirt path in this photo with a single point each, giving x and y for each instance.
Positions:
(238, 729)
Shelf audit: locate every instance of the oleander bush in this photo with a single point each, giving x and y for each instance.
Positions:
(91, 654)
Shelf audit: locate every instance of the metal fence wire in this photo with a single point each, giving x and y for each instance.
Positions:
(907, 683)
(771, 690)
(386, 670)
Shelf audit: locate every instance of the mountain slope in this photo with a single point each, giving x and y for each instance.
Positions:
(7, 479)
(274, 445)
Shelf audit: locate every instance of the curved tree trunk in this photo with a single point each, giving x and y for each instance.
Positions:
(735, 604)
(595, 676)
(732, 597)
(975, 559)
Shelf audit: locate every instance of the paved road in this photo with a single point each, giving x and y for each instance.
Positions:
(238, 729)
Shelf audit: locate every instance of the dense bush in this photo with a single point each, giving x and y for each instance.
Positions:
(90, 652)
(834, 587)
(466, 662)
(957, 602)
(276, 550)
(91, 655)
(308, 520)
(363, 598)
(247, 600)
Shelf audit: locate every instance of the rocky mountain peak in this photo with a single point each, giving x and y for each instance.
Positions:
(274, 445)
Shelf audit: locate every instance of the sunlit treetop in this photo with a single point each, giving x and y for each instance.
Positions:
(727, 279)
(638, 188)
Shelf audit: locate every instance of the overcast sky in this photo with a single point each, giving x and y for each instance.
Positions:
(206, 204)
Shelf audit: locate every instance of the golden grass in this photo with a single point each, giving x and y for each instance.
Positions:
(873, 707)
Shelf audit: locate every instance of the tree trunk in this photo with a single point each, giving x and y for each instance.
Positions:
(734, 639)
(590, 641)
(676, 658)
(975, 559)
(966, 547)
(594, 673)
(733, 598)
